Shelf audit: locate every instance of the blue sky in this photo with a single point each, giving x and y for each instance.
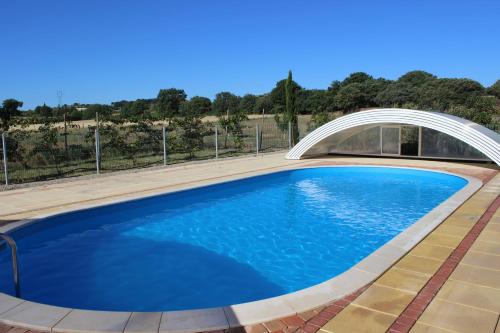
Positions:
(108, 50)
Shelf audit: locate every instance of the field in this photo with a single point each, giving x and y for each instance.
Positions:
(34, 155)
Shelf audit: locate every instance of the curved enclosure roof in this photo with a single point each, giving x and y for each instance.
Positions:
(479, 137)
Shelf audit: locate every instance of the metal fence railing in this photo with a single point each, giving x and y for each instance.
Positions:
(49, 152)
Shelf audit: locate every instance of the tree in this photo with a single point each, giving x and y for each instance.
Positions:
(264, 104)
(225, 102)
(138, 110)
(318, 119)
(358, 90)
(248, 103)
(168, 102)
(46, 148)
(357, 77)
(44, 111)
(371, 89)
(403, 91)
(480, 117)
(397, 94)
(278, 95)
(230, 115)
(318, 103)
(103, 111)
(350, 97)
(495, 89)
(289, 115)
(10, 108)
(441, 94)
(335, 87)
(416, 78)
(192, 128)
(64, 110)
(310, 101)
(75, 115)
(201, 105)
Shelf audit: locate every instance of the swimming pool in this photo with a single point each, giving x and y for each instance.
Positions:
(222, 244)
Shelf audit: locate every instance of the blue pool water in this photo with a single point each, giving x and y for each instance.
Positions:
(223, 244)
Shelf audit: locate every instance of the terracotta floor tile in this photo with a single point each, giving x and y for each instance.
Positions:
(418, 264)
(482, 260)
(405, 280)
(360, 320)
(458, 318)
(274, 325)
(477, 275)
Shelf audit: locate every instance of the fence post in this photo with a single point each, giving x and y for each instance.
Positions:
(97, 151)
(257, 139)
(164, 130)
(216, 142)
(289, 135)
(4, 149)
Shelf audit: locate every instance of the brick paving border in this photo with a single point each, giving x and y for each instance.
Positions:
(414, 310)
(307, 322)
(312, 321)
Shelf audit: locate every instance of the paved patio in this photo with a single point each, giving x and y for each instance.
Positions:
(447, 283)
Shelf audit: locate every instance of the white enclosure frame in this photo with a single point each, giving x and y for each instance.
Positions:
(481, 138)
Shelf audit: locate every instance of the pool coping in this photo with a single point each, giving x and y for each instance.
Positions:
(42, 317)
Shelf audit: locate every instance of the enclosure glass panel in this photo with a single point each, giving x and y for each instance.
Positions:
(409, 140)
(438, 144)
(390, 140)
(358, 141)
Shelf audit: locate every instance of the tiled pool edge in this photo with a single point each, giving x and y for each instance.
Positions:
(69, 320)
(367, 313)
(415, 309)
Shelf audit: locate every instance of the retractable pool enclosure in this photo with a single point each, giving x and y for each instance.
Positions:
(401, 132)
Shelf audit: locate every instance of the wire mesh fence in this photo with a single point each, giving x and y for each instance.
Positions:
(50, 152)
(34, 155)
(126, 147)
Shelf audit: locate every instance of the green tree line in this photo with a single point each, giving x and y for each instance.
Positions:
(416, 89)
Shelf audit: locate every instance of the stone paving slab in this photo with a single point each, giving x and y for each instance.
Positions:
(34, 316)
(28, 202)
(468, 302)
(86, 321)
(78, 192)
(85, 192)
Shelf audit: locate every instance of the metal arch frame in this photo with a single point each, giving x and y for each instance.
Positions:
(479, 137)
